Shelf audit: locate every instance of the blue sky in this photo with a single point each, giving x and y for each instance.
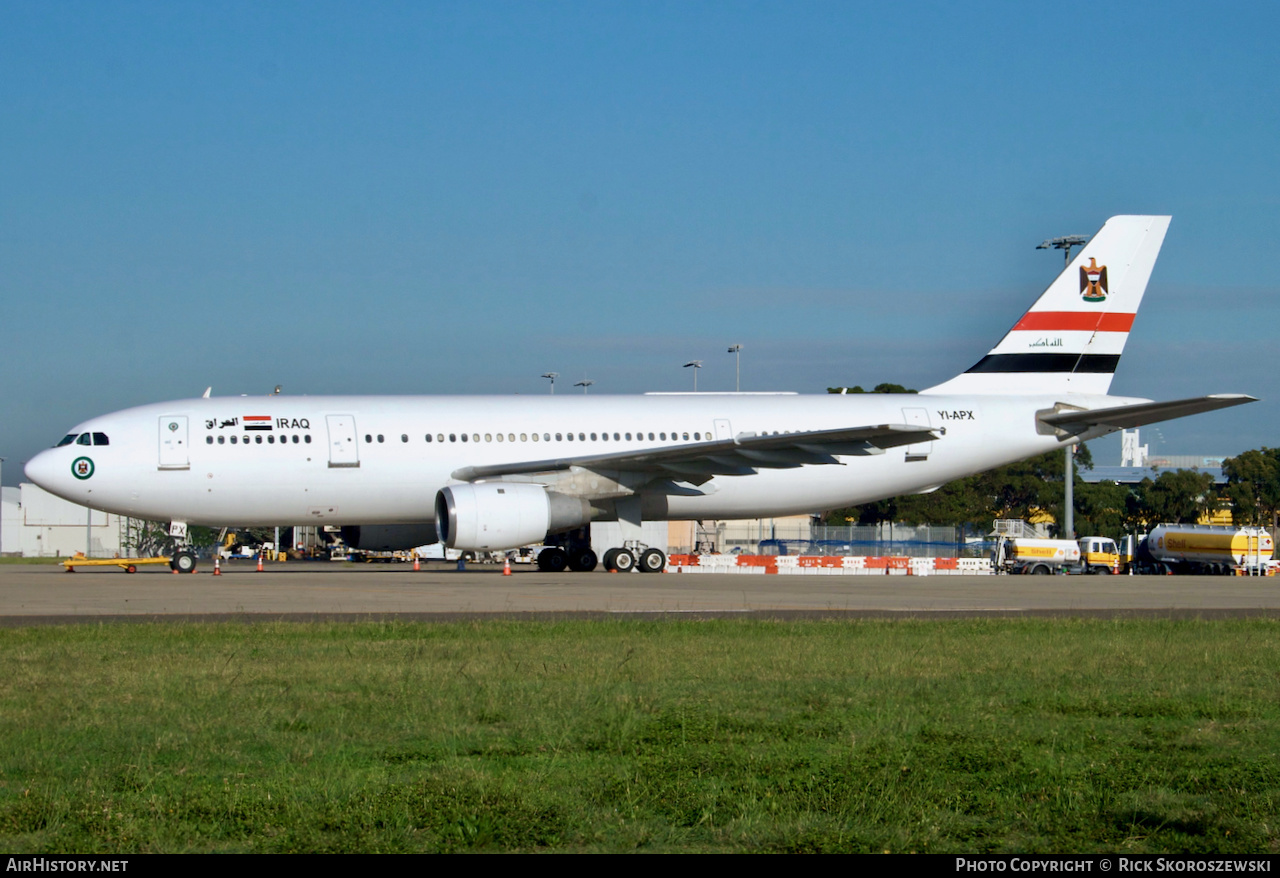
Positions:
(457, 197)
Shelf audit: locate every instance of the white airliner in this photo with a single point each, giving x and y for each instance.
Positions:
(489, 472)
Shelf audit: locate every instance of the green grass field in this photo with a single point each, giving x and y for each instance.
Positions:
(946, 736)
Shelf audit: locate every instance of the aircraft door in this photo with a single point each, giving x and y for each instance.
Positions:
(918, 417)
(723, 430)
(343, 450)
(173, 442)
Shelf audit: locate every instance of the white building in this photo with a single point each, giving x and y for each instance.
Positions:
(39, 525)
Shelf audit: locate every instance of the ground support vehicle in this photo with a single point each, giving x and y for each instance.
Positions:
(1041, 556)
(1201, 549)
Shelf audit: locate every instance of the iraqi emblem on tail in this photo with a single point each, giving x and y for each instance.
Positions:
(1093, 281)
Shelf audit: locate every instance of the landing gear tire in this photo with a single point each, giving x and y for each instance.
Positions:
(183, 562)
(609, 556)
(553, 560)
(652, 561)
(583, 562)
(624, 561)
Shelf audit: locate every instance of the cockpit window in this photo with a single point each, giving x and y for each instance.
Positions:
(67, 440)
(84, 439)
(101, 439)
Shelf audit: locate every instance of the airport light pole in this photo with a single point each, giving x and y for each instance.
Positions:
(1065, 243)
(584, 384)
(695, 365)
(736, 350)
(553, 376)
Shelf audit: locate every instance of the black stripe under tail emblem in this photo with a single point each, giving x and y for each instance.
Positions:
(1075, 363)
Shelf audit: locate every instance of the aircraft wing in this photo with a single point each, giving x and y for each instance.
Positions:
(742, 455)
(1126, 417)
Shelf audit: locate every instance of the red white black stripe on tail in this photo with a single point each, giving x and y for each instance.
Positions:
(1071, 339)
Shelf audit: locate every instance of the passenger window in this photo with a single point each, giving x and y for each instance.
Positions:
(488, 437)
(535, 437)
(381, 438)
(368, 438)
(464, 437)
(307, 438)
(233, 440)
(593, 437)
(208, 440)
(428, 437)
(271, 439)
(222, 440)
(257, 439)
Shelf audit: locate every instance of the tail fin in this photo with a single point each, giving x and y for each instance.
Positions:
(1071, 339)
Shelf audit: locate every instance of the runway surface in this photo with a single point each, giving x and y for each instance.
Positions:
(319, 590)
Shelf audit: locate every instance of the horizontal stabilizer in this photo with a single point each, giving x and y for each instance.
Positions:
(1126, 417)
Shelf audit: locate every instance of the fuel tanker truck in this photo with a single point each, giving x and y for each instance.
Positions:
(1200, 548)
(1020, 549)
(1043, 556)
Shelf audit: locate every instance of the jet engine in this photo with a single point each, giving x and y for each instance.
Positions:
(388, 537)
(499, 515)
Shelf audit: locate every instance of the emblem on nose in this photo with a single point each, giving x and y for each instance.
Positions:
(82, 468)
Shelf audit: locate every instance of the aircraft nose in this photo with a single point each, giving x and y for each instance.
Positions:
(43, 469)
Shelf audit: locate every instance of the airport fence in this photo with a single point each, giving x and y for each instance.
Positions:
(886, 540)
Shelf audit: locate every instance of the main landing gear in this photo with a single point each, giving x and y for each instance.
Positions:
(556, 559)
(628, 558)
(572, 551)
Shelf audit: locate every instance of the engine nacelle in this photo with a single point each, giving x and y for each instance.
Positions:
(388, 537)
(500, 515)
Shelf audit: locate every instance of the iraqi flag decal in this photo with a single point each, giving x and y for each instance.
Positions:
(257, 422)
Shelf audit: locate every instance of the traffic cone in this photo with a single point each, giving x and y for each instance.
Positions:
(506, 567)
(259, 562)
(173, 570)
(416, 566)
(217, 566)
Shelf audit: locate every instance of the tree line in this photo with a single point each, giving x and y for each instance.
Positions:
(1033, 487)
